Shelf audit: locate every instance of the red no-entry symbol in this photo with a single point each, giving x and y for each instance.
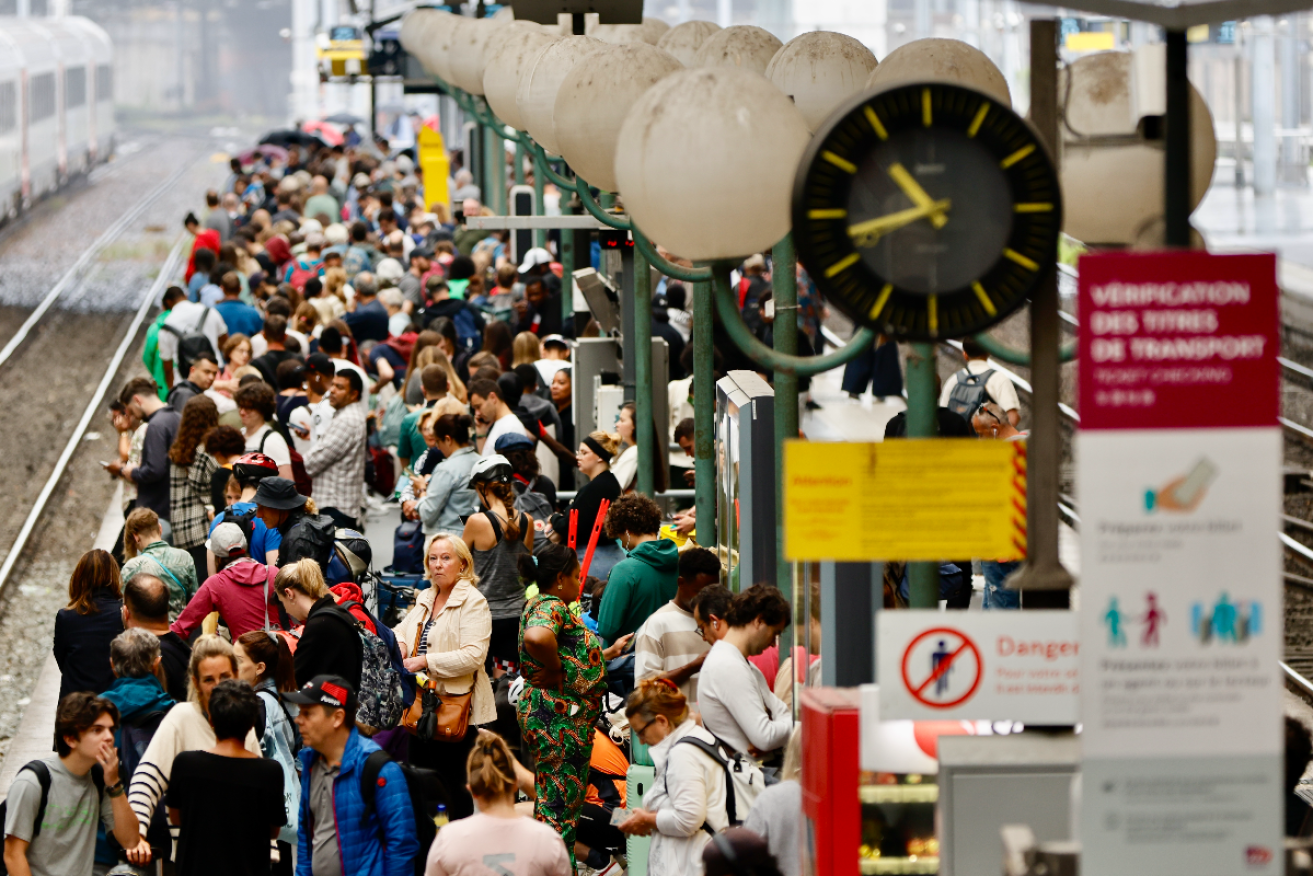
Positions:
(942, 668)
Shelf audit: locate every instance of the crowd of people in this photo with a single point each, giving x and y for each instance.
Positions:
(234, 698)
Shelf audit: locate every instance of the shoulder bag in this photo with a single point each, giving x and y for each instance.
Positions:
(433, 716)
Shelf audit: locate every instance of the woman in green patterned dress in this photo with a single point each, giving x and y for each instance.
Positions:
(564, 670)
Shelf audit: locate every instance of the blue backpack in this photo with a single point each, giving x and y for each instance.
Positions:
(467, 329)
(408, 548)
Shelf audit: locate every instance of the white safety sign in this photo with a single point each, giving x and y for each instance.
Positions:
(988, 666)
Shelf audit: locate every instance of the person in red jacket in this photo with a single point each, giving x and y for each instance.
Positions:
(241, 591)
(205, 238)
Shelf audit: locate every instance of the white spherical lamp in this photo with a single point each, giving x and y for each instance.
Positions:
(654, 29)
(941, 60)
(440, 49)
(594, 99)
(419, 33)
(536, 97)
(468, 56)
(820, 70)
(507, 61)
(684, 40)
(744, 45)
(706, 160)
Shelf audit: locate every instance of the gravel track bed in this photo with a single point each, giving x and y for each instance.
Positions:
(52, 376)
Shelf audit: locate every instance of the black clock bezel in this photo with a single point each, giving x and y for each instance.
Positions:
(833, 261)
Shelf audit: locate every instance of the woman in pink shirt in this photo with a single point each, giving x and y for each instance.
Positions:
(496, 833)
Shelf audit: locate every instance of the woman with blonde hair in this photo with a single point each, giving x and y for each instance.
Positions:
(85, 627)
(594, 456)
(236, 354)
(432, 355)
(307, 319)
(330, 642)
(465, 846)
(526, 349)
(145, 550)
(445, 637)
(687, 799)
(186, 727)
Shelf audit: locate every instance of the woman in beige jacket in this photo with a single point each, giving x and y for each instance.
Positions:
(445, 636)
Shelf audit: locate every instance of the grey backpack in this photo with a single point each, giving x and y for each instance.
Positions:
(969, 393)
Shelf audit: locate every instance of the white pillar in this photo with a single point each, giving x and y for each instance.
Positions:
(305, 73)
(724, 12)
(1263, 86)
(1294, 169)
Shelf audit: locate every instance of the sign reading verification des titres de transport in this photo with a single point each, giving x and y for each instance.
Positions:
(1178, 472)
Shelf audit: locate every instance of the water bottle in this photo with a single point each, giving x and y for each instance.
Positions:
(441, 818)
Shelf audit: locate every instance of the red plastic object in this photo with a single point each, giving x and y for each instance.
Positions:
(602, 508)
(831, 730)
(574, 528)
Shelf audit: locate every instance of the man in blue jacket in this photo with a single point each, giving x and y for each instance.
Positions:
(333, 836)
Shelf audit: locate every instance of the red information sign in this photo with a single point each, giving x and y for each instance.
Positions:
(1178, 340)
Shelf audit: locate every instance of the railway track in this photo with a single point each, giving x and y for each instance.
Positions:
(167, 272)
(78, 272)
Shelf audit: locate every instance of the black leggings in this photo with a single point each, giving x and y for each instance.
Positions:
(505, 642)
(447, 759)
(596, 831)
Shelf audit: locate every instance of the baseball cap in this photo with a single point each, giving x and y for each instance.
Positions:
(513, 441)
(534, 257)
(324, 690)
(226, 540)
(756, 260)
(320, 363)
(556, 340)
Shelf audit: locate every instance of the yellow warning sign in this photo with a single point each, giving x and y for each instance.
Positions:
(433, 164)
(934, 499)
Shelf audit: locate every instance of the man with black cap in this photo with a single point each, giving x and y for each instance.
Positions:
(337, 832)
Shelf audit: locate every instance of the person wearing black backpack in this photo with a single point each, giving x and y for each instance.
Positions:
(55, 803)
(304, 532)
(342, 828)
(977, 383)
(330, 640)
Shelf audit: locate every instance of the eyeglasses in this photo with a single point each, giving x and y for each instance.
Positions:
(984, 411)
(639, 731)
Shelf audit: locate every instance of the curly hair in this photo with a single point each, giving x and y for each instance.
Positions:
(257, 397)
(199, 416)
(225, 441)
(658, 696)
(634, 513)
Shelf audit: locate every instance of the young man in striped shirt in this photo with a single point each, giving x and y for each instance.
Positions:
(668, 644)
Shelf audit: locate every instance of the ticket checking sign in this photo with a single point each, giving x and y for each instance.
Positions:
(987, 666)
(907, 500)
(1178, 472)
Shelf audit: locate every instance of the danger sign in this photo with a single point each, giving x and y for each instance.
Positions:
(941, 668)
(979, 666)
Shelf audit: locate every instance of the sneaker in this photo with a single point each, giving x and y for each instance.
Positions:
(812, 405)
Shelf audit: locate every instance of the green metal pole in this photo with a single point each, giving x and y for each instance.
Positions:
(784, 285)
(704, 413)
(496, 160)
(517, 172)
(922, 422)
(570, 261)
(642, 350)
(539, 234)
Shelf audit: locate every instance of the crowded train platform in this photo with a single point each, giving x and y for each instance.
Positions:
(621, 442)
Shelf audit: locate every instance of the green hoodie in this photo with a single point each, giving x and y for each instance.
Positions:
(638, 586)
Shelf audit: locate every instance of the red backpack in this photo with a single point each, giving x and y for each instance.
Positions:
(302, 272)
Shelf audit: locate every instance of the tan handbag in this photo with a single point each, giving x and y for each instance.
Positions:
(437, 717)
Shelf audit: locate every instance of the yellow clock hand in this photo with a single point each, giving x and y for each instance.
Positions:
(913, 190)
(868, 232)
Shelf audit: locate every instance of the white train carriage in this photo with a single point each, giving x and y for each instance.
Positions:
(11, 128)
(56, 105)
(99, 57)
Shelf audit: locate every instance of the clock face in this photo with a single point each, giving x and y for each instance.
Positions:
(926, 211)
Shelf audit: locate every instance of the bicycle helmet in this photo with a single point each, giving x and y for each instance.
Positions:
(495, 469)
(353, 549)
(251, 468)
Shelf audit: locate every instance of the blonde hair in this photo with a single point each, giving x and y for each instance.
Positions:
(303, 576)
(442, 407)
(490, 769)
(334, 281)
(610, 442)
(459, 548)
(245, 370)
(658, 696)
(203, 649)
(526, 349)
(139, 522)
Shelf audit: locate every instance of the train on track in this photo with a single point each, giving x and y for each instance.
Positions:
(56, 105)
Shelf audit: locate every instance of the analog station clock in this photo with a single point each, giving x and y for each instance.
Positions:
(926, 211)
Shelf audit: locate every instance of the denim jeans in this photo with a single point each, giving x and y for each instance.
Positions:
(996, 596)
